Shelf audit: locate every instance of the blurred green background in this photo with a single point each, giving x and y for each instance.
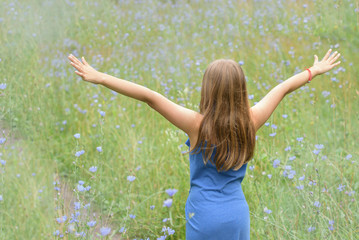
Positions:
(166, 46)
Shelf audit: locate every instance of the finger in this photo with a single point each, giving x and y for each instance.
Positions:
(75, 60)
(84, 61)
(331, 57)
(79, 73)
(336, 64)
(315, 58)
(327, 55)
(76, 66)
(334, 57)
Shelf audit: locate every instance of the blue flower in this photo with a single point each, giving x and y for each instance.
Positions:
(251, 168)
(123, 229)
(167, 203)
(341, 187)
(81, 182)
(77, 135)
(2, 140)
(325, 93)
(131, 178)
(349, 156)
(274, 126)
(77, 205)
(91, 223)
(301, 178)
(152, 207)
(300, 187)
(2, 86)
(80, 188)
(93, 169)
(319, 146)
(105, 231)
(162, 238)
(268, 211)
(299, 139)
(171, 192)
(287, 148)
(284, 115)
(276, 163)
(99, 149)
(316, 151)
(103, 114)
(3, 162)
(311, 229)
(312, 183)
(272, 134)
(168, 229)
(132, 216)
(292, 158)
(241, 62)
(61, 219)
(350, 193)
(79, 153)
(317, 204)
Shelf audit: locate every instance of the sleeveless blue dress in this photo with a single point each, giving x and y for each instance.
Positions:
(216, 207)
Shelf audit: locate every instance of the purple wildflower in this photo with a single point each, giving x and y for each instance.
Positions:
(91, 223)
(167, 203)
(79, 153)
(276, 163)
(131, 178)
(105, 231)
(93, 169)
(171, 192)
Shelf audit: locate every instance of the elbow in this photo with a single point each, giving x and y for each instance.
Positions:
(149, 98)
(285, 89)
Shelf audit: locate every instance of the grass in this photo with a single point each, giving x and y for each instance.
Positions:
(166, 46)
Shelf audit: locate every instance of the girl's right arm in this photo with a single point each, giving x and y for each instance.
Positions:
(264, 109)
(183, 118)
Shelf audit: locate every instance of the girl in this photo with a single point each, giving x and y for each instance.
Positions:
(221, 138)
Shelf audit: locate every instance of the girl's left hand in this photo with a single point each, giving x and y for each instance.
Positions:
(85, 71)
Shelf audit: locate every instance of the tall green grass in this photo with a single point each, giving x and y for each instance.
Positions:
(166, 46)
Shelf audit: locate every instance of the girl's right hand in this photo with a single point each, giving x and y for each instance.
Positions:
(85, 70)
(326, 64)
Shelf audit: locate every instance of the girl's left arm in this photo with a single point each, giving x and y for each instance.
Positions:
(183, 118)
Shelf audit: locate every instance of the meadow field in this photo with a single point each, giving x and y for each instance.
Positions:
(124, 166)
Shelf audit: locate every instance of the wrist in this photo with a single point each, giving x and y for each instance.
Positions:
(101, 78)
(314, 71)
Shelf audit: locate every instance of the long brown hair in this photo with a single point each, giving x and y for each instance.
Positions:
(226, 123)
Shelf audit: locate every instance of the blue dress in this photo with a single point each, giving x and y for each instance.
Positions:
(216, 207)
